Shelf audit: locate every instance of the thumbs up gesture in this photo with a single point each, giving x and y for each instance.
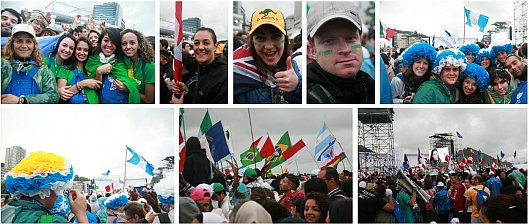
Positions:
(287, 81)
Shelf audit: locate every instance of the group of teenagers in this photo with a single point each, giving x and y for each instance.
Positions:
(485, 195)
(112, 67)
(207, 195)
(468, 75)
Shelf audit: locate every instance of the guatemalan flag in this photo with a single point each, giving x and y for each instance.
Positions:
(476, 20)
(141, 162)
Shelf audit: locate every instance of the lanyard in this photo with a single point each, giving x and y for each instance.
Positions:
(57, 68)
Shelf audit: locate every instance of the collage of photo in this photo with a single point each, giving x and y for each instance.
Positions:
(349, 148)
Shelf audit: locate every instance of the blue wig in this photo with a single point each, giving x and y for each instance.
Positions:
(116, 200)
(450, 57)
(469, 48)
(478, 73)
(485, 52)
(502, 46)
(417, 51)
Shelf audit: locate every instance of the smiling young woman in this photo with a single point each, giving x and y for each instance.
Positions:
(273, 77)
(139, 59)
(211, 72)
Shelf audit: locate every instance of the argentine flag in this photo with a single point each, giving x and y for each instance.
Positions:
(476, 20)
(141, 162)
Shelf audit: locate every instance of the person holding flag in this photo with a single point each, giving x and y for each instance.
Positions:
(212, 72)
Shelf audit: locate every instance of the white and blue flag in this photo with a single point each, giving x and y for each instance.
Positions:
(141, 162)
(476, 20)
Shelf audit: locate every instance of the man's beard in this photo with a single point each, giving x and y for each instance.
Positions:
(6, 33)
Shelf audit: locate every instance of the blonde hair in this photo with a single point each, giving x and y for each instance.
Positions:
(9, 51)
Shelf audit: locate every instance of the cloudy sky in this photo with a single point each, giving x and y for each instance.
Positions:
(213, 14)
(434, 17)
(93, 138)
(490, 130)
(139, 14)
(301, 124)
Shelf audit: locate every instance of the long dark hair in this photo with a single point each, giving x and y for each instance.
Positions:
(281, 64)
(69, 63)
(415, 80)
(145, 50)
(323, 202)
(115, 38)
(83, 39)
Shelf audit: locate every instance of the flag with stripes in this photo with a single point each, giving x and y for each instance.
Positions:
(327, 148)
(246, 76)
(177, 60)
(476, 20)
(141, 162)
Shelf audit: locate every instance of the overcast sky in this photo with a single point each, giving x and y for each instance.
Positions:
(92, 138)
(490, 130)
(213, 14)
(434, 17)
(300, 123)
(140, 14)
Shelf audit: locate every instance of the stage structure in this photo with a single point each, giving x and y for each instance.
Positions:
(520, 22)
(441, 140)
(375, 139)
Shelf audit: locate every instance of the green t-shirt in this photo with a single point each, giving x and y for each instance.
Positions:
(59, 71)
(403, 199)
(27, 212)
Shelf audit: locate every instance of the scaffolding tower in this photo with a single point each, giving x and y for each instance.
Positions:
(520, 22)
(375, 139)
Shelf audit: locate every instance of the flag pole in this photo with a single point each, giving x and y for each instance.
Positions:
(251, 132)
(183, 125)
(297, 168)
(125, 174)
(464, 27)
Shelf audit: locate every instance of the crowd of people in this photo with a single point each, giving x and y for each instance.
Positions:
(472, 74)
(86, 66)
(39, 191)
(466, 196)
(208, 195)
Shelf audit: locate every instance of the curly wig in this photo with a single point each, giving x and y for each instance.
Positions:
(450, 57)
(416, 51)
(469, 48)
(478, 73)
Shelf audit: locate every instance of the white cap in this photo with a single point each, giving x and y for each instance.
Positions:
(454, 220)
(440, 184)
(362, 184)
(389, 192)
(492, 173)
(23, 28)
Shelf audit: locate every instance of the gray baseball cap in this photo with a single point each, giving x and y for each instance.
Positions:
(322, 12)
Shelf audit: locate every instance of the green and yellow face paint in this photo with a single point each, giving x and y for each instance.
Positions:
(323, 54)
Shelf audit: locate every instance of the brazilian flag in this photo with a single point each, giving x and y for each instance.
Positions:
(250, 156)
(281, 146)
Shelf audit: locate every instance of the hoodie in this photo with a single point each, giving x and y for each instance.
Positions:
(197, 168)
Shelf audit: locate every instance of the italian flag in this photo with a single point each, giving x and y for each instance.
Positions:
(182, 153)
(387, 32)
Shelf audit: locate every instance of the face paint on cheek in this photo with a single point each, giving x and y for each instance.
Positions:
(322, 54)
(357, 49)
(280, 43)
(257, 45)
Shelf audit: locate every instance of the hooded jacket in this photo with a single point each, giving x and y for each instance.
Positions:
(212, 84)
(197, 169)
(434, 92)
(324, 87)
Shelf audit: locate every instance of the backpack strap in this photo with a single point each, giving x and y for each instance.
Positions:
(164, 218)
(404, 79)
